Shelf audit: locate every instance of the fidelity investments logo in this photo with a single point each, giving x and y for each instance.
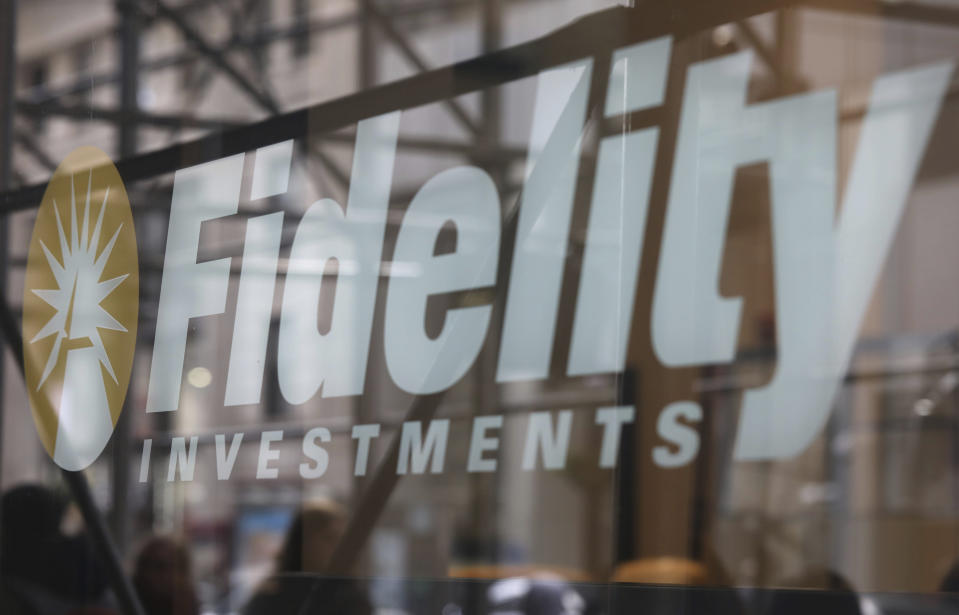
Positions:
(81, 295)
(80, 305)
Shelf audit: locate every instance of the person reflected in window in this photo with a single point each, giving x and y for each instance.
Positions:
(163, 578)
(49, 564)
(299, 585)
(950, 587)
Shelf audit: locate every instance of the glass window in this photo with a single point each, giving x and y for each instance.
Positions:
(479, 306)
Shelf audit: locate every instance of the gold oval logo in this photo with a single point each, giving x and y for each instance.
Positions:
(80, 304)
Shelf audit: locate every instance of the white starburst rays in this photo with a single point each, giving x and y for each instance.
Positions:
(79, 290)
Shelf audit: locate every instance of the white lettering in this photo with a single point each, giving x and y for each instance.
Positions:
(316, 453)
(825, 275)
(480, 443)
(268, 454)
(686, 439)
(363, 434)
(693, 324)
(225, 460)
(614, 243)
(145, 460)
(337, 359)
(552, 445)
(612, 420)
(254, 309)
(415, 452)
(189, 289)
(181, 459)
(539, 254)
(467, 197)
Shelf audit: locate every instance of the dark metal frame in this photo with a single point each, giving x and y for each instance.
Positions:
(8, 71)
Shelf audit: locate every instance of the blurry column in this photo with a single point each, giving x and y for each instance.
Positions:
(128, 47)
(8, 52)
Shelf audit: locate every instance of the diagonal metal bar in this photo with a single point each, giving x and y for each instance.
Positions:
(212, 54)
(764, 52)
(8, 74)
(30, 144)
(84, 81)
(108, 114)
(922, 12)
(386, 24)
(621, 26)
(252, 12)
(502, 153)
(264, 99)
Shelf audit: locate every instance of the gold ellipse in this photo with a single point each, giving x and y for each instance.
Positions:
(84, 183)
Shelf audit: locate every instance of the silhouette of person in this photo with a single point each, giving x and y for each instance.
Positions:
(950, 586)
(950, 583)
(45, 571)
(163, 579)
(299, 585)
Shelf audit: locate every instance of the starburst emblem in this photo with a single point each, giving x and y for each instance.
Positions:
(79, 293)
(80, 306)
